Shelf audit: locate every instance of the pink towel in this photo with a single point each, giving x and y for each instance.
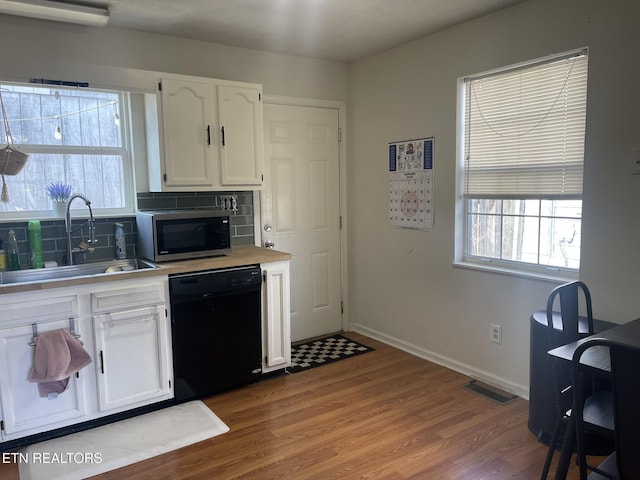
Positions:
(58, 355)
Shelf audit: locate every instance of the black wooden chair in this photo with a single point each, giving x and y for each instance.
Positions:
(615, 413)
(573, 302)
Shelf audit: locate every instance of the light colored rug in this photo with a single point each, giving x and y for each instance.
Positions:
(101, 449)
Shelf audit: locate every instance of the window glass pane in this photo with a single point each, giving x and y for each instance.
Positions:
(536, 232)
(562, 208)
(73, 136)
(48, 116)
(520, 238)
(485, 229)
(521, 207)
(561, 245)
(99, 177)
(488, 206)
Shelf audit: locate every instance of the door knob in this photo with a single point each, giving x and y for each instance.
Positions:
(269, 244)
(267, 227)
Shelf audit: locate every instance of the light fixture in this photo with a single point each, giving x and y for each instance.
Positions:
(57, 11)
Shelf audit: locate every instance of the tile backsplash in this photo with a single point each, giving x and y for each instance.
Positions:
(53, 231)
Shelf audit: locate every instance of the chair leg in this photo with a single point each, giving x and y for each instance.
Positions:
(551, 451)
(581, 457)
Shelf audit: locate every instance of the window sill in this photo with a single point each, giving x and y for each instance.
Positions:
(551, 276)
(47, 217)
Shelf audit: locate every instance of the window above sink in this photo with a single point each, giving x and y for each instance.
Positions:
(77, 136)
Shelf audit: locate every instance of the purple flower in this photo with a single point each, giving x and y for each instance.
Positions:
(58, 191)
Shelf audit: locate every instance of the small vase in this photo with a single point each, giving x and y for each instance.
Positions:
(59, 209)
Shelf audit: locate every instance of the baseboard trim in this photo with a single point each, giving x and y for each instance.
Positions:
(473, 372)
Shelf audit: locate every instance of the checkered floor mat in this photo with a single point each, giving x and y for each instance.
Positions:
(325, 350)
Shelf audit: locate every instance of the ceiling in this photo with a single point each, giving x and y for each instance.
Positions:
(341, 30)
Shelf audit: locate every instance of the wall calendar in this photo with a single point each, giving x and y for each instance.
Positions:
(411, 184)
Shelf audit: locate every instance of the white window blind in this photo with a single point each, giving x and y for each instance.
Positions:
(524, 132)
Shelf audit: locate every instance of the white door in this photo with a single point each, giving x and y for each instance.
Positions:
(300, 211)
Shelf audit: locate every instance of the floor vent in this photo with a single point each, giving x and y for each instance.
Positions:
(490, 392)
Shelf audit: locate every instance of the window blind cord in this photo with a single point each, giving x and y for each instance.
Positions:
(488, 124)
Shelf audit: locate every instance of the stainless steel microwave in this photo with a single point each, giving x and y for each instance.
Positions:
(183, 234)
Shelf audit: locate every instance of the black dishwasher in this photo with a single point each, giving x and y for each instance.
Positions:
(216, 330)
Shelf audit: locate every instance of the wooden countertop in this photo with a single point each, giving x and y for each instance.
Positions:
(244, 255)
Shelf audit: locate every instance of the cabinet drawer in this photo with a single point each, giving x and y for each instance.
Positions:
(123, 298)
(38, 310)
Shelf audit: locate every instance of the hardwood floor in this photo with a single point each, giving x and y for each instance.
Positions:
(381, 415)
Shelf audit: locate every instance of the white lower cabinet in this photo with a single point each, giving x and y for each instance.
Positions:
(124, 327)
(131, 351)
(276, 315)
(23, 410)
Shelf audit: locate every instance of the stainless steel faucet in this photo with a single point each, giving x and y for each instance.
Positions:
(69, 231)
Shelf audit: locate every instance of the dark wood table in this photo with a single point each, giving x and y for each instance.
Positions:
(598, 361)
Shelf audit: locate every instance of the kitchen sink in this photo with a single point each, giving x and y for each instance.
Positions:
(109, 267)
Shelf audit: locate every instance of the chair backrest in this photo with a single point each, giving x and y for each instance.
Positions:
(571, 297)
(625, 385)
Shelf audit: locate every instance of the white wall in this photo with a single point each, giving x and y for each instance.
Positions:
(403, 287)
(39, 49)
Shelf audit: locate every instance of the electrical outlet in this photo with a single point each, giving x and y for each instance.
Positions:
(228, 203)
(496, 333)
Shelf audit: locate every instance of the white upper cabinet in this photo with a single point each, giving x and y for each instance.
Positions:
(186, 123)
(240, 117)
(204, 134)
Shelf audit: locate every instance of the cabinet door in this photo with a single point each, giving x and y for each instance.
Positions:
(189, 157)
(240, 117)
(24, 411)
(132, 365)
(276, 315)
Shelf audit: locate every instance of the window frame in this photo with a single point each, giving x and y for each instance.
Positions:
(125, 151)
(462, 257)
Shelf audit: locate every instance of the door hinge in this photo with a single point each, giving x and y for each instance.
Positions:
(259, 97)
(164, 177)
(340, 222)
(166, 314)
(341, 306)
(2, 425)
(159, 86)
(169, 384)
(339, 135)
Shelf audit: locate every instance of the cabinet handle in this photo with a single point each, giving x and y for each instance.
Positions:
(223, 136)
(101, 362)
(209, 135)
